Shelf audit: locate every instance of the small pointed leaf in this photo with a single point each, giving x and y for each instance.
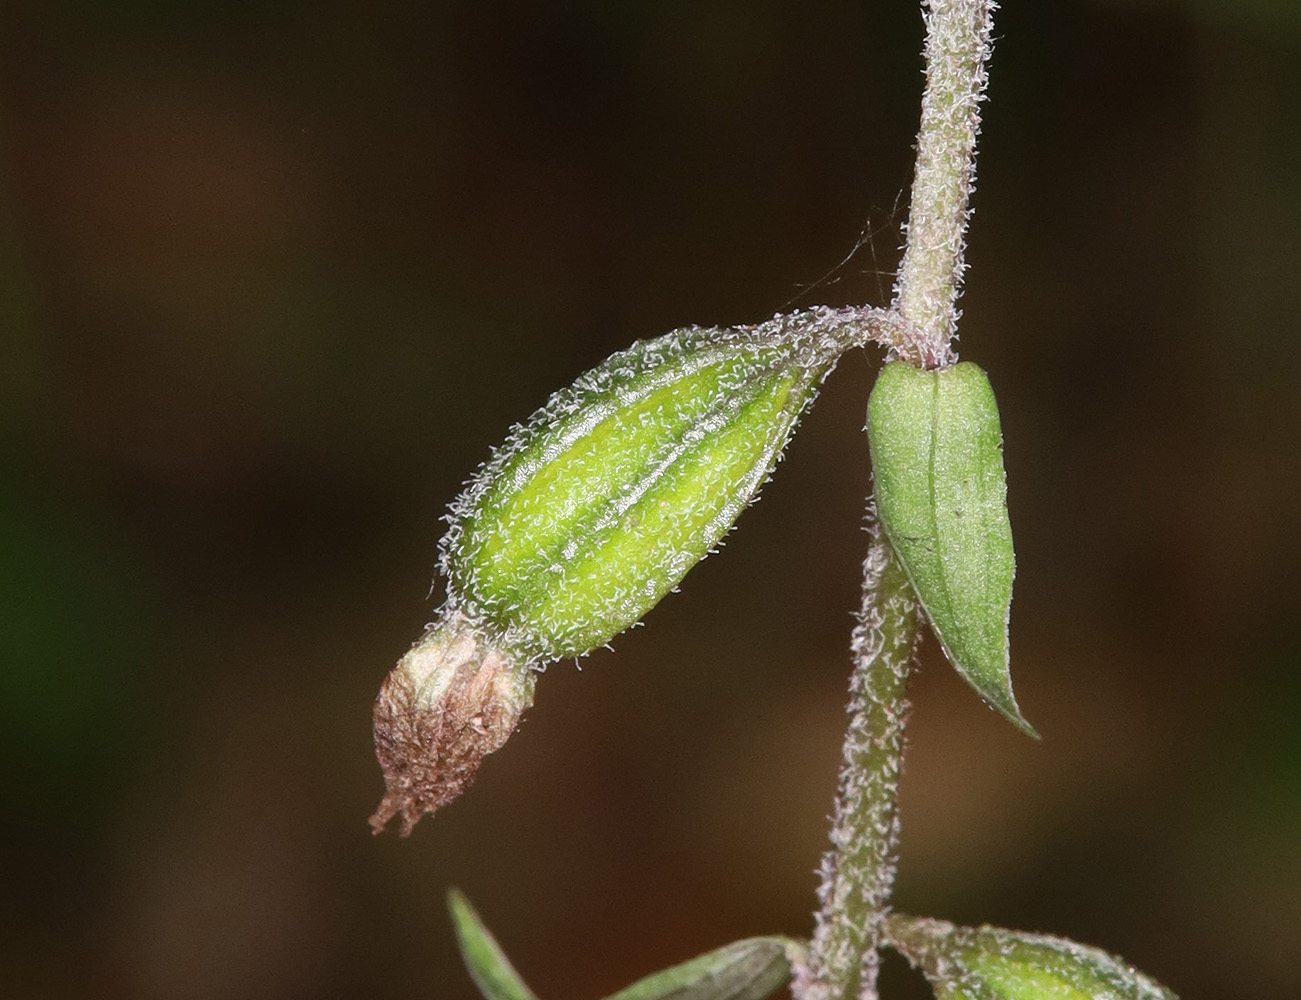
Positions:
(751, 969)
(989, 963)
(941, 493)
(487, 963)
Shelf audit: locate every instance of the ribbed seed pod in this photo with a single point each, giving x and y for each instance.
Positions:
(585, 518)
(595, 509)
(941, 493)
(989, 963)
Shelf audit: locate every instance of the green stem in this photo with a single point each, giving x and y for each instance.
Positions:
(930, 274)
(858, 872)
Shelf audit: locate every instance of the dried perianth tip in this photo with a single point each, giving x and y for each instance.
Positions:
(452, 699)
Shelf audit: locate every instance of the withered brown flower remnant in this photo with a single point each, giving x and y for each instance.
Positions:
(452, 699)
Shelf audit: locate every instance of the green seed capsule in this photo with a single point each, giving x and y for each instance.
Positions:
(941, 494)
(989, 963)
(581, 522)
(600, 505)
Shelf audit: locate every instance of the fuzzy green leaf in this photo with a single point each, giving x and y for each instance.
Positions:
(941, 493)
(744, 970)
(751, 969)
(486, 962)
(989, 963)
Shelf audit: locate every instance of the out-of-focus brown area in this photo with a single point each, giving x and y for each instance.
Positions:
(274, 276)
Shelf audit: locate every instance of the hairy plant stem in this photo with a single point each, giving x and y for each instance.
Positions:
(858, 872)
(930, 274)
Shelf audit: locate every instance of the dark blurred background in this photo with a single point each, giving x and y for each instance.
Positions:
(274, 276)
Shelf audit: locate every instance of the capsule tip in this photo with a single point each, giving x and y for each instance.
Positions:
(451, 700)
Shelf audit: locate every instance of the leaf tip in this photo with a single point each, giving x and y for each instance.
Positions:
(1005, 705)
